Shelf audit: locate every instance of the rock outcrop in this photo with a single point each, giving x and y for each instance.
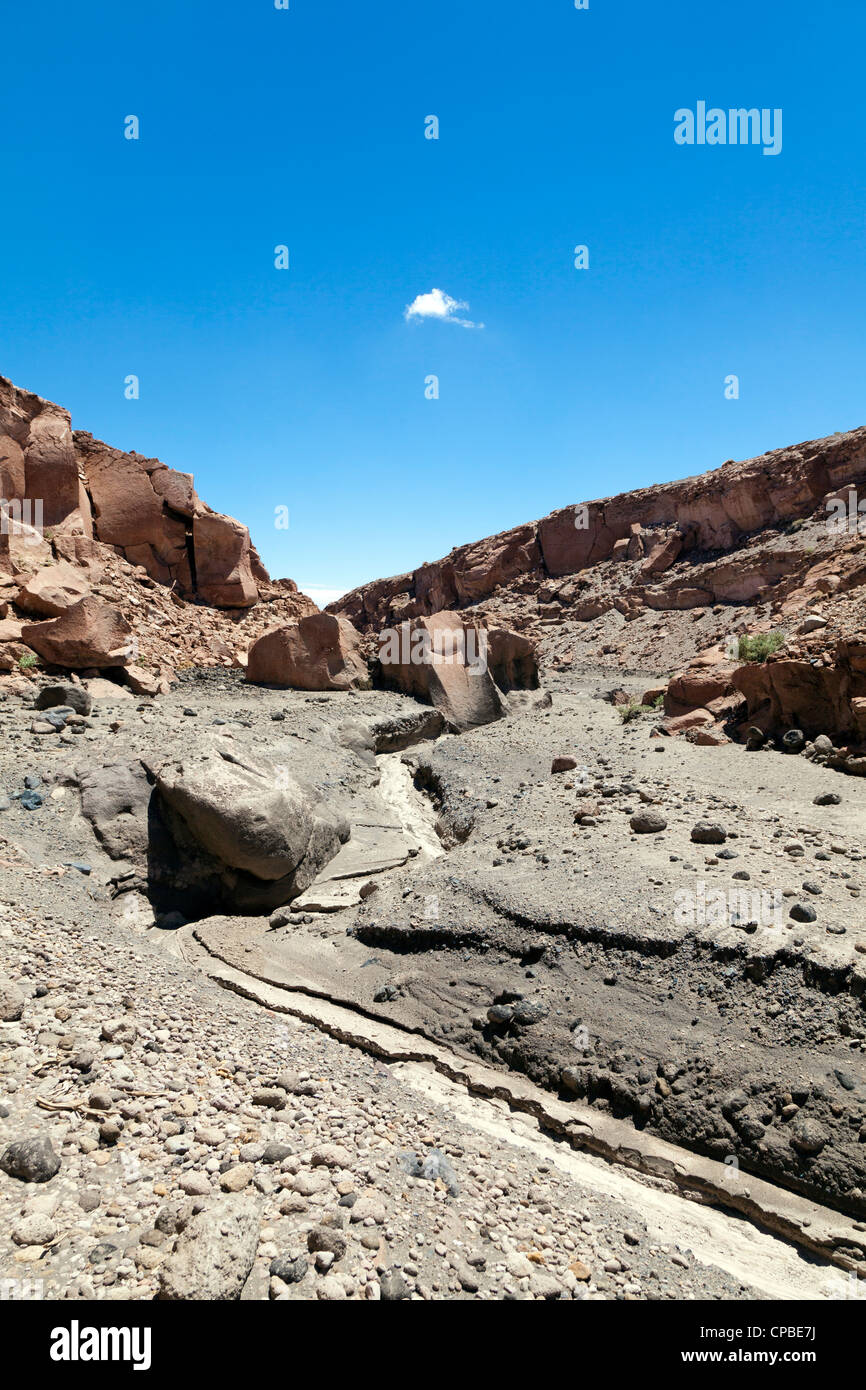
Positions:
(458, 666)
(793, 689)
(85, 490)
(319, 652)
(789, 691)
(655, 526)
(89, 633)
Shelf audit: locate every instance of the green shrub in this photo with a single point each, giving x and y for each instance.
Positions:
(26, 661)
(633, 710)
(759, 647)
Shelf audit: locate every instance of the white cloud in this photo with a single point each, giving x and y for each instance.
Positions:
(438, 305)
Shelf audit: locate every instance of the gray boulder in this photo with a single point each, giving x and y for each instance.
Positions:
(31, 1160)
(247, 818)
(214, 1253)
(115, 799)
(75, 696)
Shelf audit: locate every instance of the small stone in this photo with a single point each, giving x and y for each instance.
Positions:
(331, 1289)
(214, 1254)
(237, 1178)
(545, 1286)
(807, 1136)
(803, 912)
(110, 1131)
(368, 1207)
(273, 1098)
(38, 1229)
(393, 1286)
(11, 1001)
(708, 833)
(275, 1152)
(195, 1184)
(290, 1268)
(326, 1239)
(30, 1160)
(102, 1253)
(119, 1030)
(648, 822)
(331, 1156)
(308, 1184)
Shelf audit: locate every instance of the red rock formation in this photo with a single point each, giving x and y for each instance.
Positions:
(88, 633)
(319, 652)
(819, 694)
(459, 666)
(710, 512)
(150, 513)
(791, 692)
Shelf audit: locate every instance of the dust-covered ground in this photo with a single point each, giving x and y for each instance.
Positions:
(313, 1091)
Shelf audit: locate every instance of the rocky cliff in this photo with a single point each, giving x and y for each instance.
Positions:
(667, 582)
(110, 560)
(698, 517)
(84, 491)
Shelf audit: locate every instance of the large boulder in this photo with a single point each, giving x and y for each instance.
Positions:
(115, 798)
(65, 693)
(52, 589)
(223, 561)
(246, 820)
(319, 652)
(211, 833)
(707, 678)
(511, 659)
(214, 1253)
(89, 633)
(452, 663)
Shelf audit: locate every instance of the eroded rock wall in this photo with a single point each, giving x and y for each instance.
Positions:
(83, 489)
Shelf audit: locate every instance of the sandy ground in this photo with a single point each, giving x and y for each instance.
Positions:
(737, 1044)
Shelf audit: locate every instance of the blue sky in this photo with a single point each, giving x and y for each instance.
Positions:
(305, 388)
